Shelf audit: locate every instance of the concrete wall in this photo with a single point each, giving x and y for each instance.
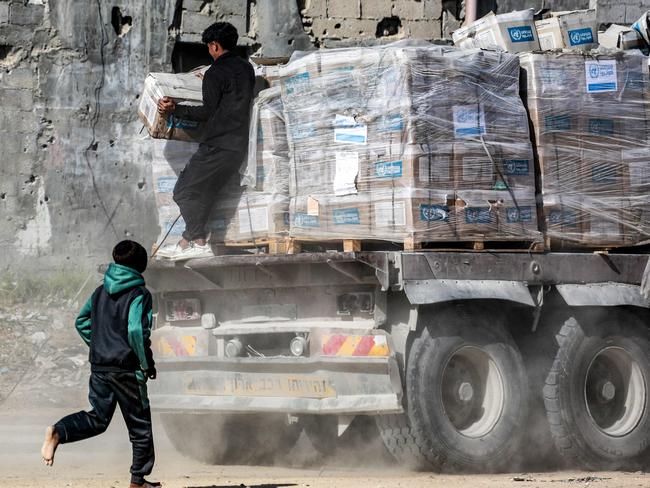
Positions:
(74, 174)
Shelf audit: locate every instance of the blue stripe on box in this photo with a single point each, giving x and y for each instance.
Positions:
(349, 138)
(601, 86)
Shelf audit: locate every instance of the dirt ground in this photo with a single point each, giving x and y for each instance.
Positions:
(44, 375)
(103, 462)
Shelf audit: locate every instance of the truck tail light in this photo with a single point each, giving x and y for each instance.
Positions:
(354, 345)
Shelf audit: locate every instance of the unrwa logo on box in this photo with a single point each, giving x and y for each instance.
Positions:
(523, 33)
(392, 169)
(346, 216)
(581, 36)
(434, 213)
(521, 214)
(305, 220)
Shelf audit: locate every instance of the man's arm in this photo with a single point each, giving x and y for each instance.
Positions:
(139, 330)
(212, 89)
(83, 321)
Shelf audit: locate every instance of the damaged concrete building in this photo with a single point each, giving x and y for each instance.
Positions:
(74, 172)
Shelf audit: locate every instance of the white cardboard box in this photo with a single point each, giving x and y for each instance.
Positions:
(513, 32)
(568, 30)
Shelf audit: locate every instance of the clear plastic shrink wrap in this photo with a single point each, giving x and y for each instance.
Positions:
(591, 123)
(254, 206)
(408, 142)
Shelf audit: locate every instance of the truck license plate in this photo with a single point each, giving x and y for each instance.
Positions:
(269, 385)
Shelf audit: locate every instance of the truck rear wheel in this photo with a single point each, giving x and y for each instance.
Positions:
(596, 394)
(466, 394)
(230, 439)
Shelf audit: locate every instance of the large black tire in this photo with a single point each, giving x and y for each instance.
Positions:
(230, 439)
(466, 395)
(597, 391)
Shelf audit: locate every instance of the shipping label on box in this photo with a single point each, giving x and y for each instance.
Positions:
(390, 214)
(346, 172)
(601, 76)
(638, 162)
(521, 33)
(348, 131)
(469, 120)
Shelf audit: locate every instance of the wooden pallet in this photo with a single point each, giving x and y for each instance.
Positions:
(288, 245)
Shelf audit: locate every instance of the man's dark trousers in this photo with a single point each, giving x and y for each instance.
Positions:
(108, 389)
(199, 184)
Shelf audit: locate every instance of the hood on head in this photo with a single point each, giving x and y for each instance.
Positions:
(118, 278)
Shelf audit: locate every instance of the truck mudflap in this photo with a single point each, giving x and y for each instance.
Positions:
(323, 385)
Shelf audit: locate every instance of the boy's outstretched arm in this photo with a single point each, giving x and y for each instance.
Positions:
(83, 321)
(139, 331)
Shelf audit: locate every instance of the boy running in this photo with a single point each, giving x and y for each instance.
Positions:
(115, 323)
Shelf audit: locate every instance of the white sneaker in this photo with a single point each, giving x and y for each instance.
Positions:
(168, 251)
(193, 251)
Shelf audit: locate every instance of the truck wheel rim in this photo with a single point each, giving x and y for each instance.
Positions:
(615, 391)
(473, 393)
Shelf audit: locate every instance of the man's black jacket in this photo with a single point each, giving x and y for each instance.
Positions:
(227, 96)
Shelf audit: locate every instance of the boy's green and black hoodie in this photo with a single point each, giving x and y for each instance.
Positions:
(115, 323)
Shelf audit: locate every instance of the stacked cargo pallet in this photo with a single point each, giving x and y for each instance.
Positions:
(591, 118)
(410, 144)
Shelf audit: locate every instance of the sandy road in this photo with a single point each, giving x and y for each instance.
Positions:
(103, 463)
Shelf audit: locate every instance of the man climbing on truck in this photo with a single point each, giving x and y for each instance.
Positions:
(227, 96)
(115, 323)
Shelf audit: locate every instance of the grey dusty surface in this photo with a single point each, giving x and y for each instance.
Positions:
(103, 462)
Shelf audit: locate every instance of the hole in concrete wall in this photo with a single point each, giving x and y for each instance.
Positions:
(3, 196)
(94, 146)
(337, 26)
(290, 42)
(47, 199)
(388, 26)
(187, 55)
(5, 49)
(140, 184)
(121, 23)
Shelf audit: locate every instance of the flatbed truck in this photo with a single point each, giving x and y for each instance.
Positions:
(464, 360)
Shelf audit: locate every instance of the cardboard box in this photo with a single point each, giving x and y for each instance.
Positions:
(477, 214)
(169, 159)
(518, 215)
(636, 159)
(563, 217)
(324, 217)
(577, 29)
(473, 168)
(513, 32)
(406, 213)
(517, 165)
(307, 220)
(185, 89)
(621, 37)
(417, 166)
(348, 216)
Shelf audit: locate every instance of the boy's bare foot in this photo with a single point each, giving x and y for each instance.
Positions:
(200, 242)
(50, 444)
(183, 243)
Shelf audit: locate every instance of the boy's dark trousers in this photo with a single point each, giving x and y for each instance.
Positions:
(108, 389)
(198, 186)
